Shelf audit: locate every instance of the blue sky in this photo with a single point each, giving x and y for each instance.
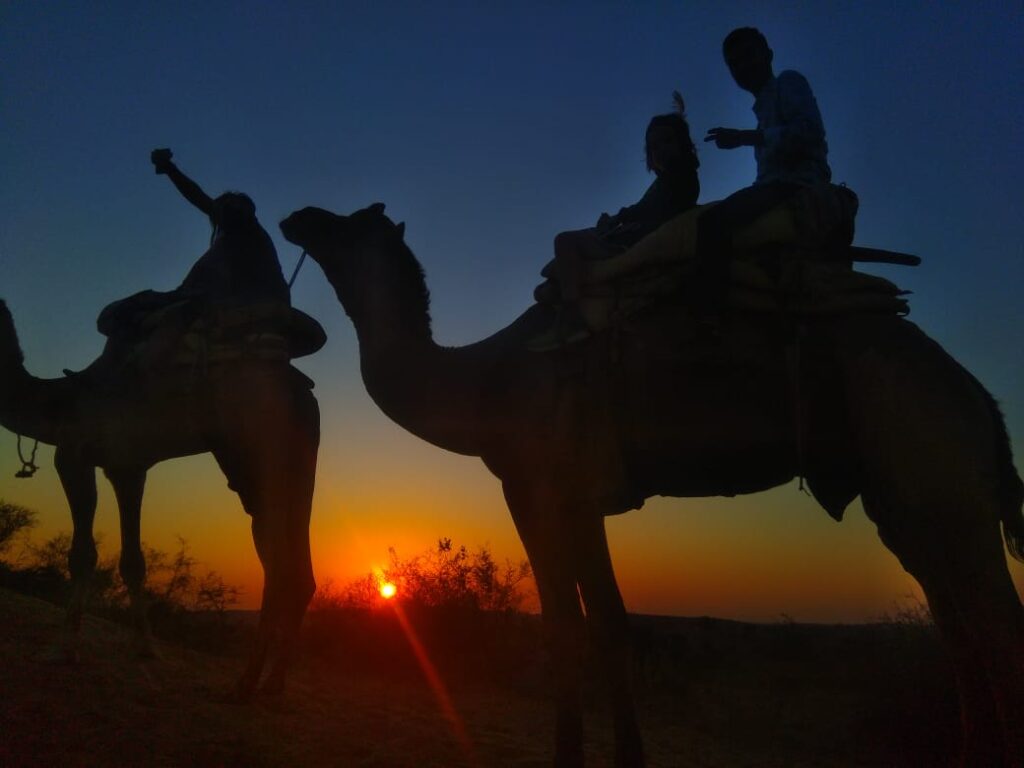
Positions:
(488, 128)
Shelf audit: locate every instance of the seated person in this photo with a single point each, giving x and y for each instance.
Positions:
(241, 263)
(789, 147)
(671, 156)
(792, 170)
(240, 268)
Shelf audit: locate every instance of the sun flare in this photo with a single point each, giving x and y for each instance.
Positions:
(388, 590)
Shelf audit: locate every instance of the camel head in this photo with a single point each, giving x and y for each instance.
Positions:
(319, 231)
(364, 257)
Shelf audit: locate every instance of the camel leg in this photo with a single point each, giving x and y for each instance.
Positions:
(269, 459)
(987, 604)
(79, 481)
(978, 614)
(129, 484)
(298, 479)
(609, 632)
(299, 581)
(548, 543)
(243, 472)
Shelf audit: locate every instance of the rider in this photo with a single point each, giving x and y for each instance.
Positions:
(671, 156)
(789, 147)
(239, 274)
(241, 263)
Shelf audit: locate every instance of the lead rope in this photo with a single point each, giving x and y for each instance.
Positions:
(298, 266)
(28, 467)
(798, 406)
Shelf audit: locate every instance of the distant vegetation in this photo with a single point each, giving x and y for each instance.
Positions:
(14, 521)
(444, 577)
(462, 606)
(185, 604)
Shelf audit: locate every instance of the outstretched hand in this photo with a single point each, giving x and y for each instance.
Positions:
(725, 138)
(730, 138)
(161, 159)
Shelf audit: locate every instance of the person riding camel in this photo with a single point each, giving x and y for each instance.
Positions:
(241, 263)
(672, 157)
(789, 148)
(239, 272)
(791, 202)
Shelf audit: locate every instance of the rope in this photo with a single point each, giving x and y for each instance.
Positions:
(28, 467)
(298, 266)
(793, 355)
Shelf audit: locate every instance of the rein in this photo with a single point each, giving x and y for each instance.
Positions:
(298, 266)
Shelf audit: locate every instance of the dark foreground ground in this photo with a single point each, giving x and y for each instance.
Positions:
(712, 694)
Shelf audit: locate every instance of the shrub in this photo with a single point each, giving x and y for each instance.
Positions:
(181, 603)
(14, 520)
(444, 577)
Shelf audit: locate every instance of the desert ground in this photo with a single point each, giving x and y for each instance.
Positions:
(711, 693)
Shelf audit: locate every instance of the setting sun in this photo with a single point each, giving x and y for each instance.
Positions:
(388, 590)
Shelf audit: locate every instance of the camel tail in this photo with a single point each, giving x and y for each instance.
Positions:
(10, 350)
(1011, 495)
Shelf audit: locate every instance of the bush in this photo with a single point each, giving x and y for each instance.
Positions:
(461, 607)
(444, 577)
(181, 604)
(14, 520)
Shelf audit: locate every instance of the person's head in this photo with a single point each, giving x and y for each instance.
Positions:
(668, 146)
(748, 57)
(232, 209)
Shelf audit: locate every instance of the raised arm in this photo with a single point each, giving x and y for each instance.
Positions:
(161, 159)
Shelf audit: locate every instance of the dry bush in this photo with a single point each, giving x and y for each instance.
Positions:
(182, 603)
(462, 606)
(14, 521)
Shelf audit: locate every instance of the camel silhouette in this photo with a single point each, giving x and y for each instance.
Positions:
(593, 429)
(258, 418)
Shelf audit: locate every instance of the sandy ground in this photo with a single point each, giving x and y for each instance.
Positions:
(112, 709)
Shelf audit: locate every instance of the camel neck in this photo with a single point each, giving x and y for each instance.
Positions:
(429, 390)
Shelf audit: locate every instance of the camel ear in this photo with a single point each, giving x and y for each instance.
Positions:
(400, 226)
(377, 208)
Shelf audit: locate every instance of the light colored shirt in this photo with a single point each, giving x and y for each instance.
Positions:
(794, 149)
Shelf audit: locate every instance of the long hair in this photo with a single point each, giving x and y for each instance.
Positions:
(675, 122)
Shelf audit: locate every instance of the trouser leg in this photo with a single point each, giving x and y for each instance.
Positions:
(715, 229)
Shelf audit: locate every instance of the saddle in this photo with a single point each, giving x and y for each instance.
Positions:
(796, 259)
(168, 331)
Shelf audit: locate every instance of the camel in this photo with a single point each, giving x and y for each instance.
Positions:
(876, 409)
(258, 418)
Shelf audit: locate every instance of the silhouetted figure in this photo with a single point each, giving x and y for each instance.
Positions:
(203, 368)
(241, 263)
(671, 156)
(237, 282)
(789, 146)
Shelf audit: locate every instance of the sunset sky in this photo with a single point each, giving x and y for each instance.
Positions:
(488, 128)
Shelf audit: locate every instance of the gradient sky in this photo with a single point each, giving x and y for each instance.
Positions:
(489, 127)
